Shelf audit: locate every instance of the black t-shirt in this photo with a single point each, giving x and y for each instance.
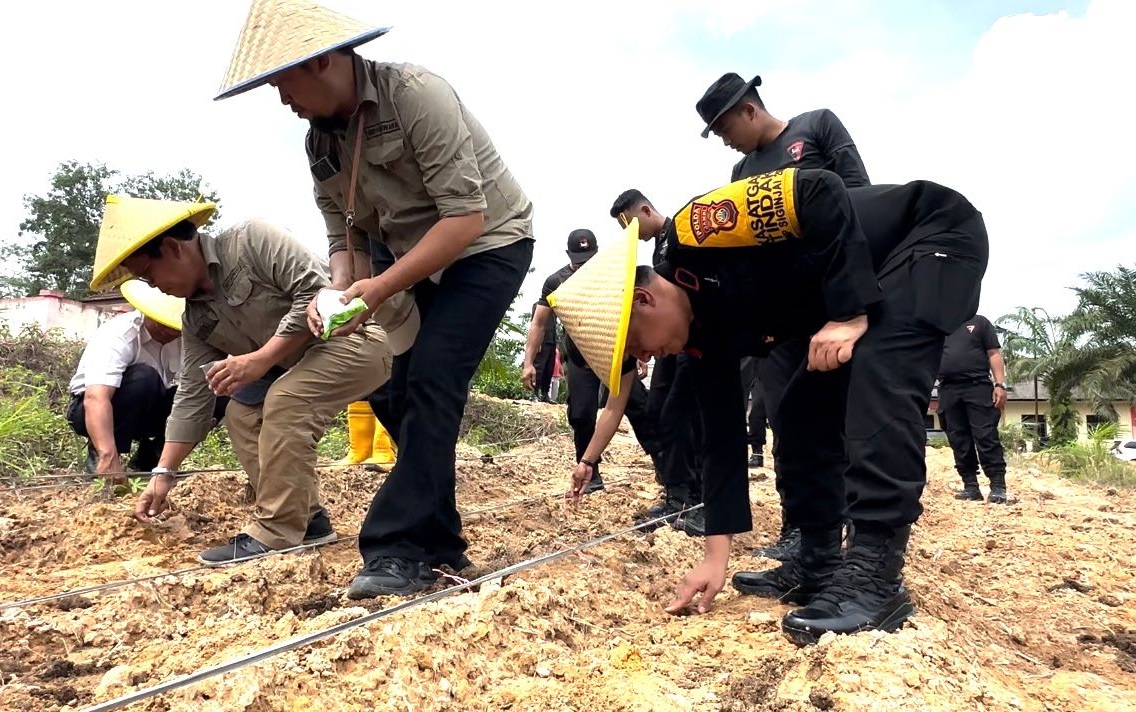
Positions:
(965, 358)
(551, 284)
(775, 259)
(816, 139)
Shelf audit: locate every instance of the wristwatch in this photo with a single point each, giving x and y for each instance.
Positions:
(162, 471)
(1001, 385)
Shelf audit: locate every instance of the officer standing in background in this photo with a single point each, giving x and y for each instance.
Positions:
(734, 111)
(970, 407)
(583, 385)
(672, 399)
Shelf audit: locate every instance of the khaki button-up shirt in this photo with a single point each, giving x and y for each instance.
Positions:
(263, 280)
(424, 157)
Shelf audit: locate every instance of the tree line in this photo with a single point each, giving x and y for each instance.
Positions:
(1088, 354)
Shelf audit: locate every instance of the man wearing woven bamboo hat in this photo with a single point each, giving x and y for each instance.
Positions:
(874, 278)
(397, 158)
(245, 336)
(124, 385)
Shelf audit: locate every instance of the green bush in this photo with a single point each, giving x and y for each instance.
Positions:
(938, 442)
(1093, 460)
(1014, 438)
(34, 436)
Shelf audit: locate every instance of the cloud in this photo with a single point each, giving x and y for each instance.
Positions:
(585, 100)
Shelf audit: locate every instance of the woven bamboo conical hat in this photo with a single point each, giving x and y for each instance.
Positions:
(280, 34)
(154, 303)
(129, 223)
(594, 305)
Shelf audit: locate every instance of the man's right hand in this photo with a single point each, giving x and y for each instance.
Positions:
(153, 500)
(528, 376)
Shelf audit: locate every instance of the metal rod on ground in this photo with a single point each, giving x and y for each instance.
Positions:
(310, 638)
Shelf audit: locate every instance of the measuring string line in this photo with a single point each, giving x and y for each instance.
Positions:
(180, 474)
(111, 585)
(331, 631)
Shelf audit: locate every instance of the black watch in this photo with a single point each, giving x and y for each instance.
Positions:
(1000, 385)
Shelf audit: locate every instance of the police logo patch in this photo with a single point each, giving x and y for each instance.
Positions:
(708, 219)
(796, 150)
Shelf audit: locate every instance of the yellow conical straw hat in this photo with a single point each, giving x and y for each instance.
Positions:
(154, 303)
(129, 223)
(594, 305)
(280, 34)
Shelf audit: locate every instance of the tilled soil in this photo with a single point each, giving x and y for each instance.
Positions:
(1030, 606)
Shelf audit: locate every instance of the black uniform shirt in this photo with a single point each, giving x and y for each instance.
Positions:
(815, 139)
(802, 251)
(965, 357)
(551, 284)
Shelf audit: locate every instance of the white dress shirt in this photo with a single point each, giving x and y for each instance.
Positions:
(120, 343)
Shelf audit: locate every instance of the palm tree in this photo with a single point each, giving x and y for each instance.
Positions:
(1106, 317)
(1044, 348)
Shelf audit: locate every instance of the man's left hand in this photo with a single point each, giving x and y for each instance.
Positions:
(641, 368)
(227, 376)
(831, 347)
(371, 292)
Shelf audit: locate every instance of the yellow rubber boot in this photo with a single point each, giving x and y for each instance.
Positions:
(360, 433)
(382, 447)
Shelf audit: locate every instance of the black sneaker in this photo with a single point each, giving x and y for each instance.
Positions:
(319, 529)
(969, 492)
(998, 495)
(785, 548)
(757, 460)
(146, 455)
(242, 547)
(800, 578)
(91, 466)
(391, 576)
(596, 484)
(866, 591)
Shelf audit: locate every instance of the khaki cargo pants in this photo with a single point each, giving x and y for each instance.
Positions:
(276, 441)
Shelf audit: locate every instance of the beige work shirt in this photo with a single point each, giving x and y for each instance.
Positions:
(263, 280)
(424, 157)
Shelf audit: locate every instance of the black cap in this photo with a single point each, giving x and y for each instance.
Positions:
(581, 246)
(721, 97)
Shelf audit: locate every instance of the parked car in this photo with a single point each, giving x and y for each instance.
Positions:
(1124, 450)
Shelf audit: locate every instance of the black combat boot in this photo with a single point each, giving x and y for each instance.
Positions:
(757, 459)
(803, 575)
(866, 591)
(674, 499)
(691, 523)
(998, 493)
(787, 544)
(970, 491)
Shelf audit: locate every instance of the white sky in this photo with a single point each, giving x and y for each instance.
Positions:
(586, 101)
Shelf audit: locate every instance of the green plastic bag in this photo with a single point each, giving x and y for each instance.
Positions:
(334, 313)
